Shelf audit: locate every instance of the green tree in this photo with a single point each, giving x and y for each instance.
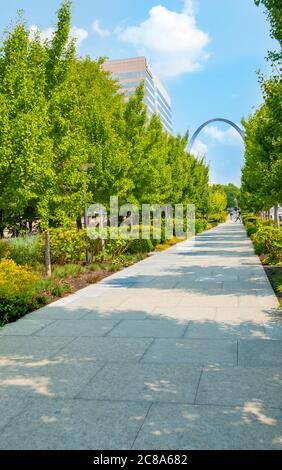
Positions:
(274, 9)
(260, 183)
(25, 146)
(101, 110)
(218, 199)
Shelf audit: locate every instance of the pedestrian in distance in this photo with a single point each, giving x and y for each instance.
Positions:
(239, 216)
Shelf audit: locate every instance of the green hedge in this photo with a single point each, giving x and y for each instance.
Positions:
(140, 246)
(219, 218)
(201, 225)
(251, 228)
(268, 241)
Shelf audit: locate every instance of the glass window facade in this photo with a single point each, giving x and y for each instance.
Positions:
(124, 75)
(129, 84)
(130, 72)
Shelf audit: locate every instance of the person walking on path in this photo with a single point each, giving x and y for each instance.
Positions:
(239, 216)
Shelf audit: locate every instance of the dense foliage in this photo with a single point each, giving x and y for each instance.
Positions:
(69, 138)
(262, 171)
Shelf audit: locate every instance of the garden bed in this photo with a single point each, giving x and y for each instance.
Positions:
(274, 274)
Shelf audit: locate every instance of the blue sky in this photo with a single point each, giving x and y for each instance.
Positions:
(206, 52)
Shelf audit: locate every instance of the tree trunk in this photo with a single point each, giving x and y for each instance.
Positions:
(1, 223)
(276, 216)
(30, 227)
(48, 270)
(79, 223)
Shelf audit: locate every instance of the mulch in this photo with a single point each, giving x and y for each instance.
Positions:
(271, 272)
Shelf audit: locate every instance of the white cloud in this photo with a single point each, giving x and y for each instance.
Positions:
(45, 34)
(190, 7)
(172, 41)
(76, 33)
(199, 149)
(230, 136)
(99, 30)
(79, 34)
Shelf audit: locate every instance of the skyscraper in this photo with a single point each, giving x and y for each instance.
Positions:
(129, 73)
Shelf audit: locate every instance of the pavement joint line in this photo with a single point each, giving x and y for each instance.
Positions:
(114, 326)
(72, 339)
(34, 332)
(149, 402)
(76, 396)
(198, 385)
(2, 429)
(186, 328)
(139, 430)
(146, 349)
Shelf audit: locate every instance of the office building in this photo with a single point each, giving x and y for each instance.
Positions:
(129, 73)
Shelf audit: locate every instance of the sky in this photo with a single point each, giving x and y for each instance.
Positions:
(206, 52)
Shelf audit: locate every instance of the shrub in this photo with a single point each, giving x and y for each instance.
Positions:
(268, 241)
(251, 228)
(250, 219)
(4, 249)
(201, 225)
(140, 246)
(18, 291)
(115, 248)
(25, 250)
(218, 218)
(278, 283)
(67, 245)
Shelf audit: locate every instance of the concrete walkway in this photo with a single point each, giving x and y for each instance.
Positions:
(181, 351)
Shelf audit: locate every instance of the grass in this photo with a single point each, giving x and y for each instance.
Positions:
(64, 278)
(167, 244)
(68, 270)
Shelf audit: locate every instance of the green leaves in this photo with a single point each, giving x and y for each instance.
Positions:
(262, 172)
(68, 138)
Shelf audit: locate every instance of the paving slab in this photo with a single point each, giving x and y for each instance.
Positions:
(260, 353)
(186, 313)
(222, 330)
(65, 312)
(274, 330)
(106, 349)
(10, 408)
(57, 424)
(149, 329)
(212, 299)
(117, 314)
(24, 327)
(184, 427)
(241, 315)
(46, 378)
(192, 351)
(145, 382)
(29, 347)
(78, 328)
(233, 386)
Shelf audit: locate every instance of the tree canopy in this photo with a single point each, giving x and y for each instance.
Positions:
(68, 136)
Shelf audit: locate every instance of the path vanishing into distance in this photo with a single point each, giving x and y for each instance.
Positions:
(183, 350)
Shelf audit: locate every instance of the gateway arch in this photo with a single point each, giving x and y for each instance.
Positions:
(195, 135)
